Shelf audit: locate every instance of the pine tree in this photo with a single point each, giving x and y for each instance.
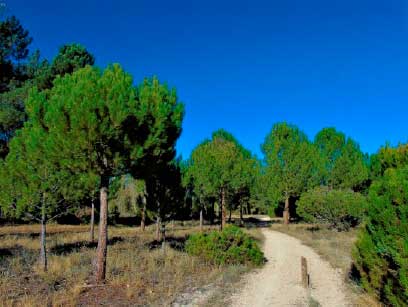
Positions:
(292, 163)
(99, 123)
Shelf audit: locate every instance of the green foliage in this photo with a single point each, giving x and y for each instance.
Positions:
(221, 164)
(14, 42)
(229, 246)
(12, 116)
(125, 194)
(34, 186)
(345, 165)
(166, 193)
(381, 252)
(292, 163)
(388, 157)
(340, 209)
(70, 58)
(39, 74)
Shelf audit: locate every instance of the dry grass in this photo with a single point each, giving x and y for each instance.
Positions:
(335, 247)
(139, 271)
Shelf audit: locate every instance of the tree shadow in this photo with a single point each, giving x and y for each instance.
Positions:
(354, 274)
(176, 243)
(68, 248)
(5, 252)
(313, 228)
(27, 256)
(253, 222)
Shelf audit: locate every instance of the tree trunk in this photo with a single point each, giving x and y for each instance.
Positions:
(201, 220)
(92, 231)
(43, 251)
(223, 210)
(286, 214)
(158, 222)
(241, 218)
(230, 216)
(212, 213)
(103, 232)
(143, 213)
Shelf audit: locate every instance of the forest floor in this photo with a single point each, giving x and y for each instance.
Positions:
(139, 271)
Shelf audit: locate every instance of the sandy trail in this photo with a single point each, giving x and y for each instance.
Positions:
(278, 282)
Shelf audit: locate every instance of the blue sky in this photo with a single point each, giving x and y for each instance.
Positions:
(245, 65)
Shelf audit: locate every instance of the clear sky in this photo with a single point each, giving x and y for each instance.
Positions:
(244, 65)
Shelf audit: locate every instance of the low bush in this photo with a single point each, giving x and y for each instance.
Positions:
(381, 251)
(340, 209)
(230, 246)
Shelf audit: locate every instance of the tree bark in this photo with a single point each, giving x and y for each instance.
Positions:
(92, 230)
(286, 214)
(201, 220)
(158, 222)
(212, 213)
(43, 251)
(103, 232)
(241, 217)
(143, 214)
(223, 210)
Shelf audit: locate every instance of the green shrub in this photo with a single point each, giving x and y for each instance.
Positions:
(381, 251)
(230, 246)
(340, 209)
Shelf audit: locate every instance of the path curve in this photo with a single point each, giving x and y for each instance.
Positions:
(278, 282)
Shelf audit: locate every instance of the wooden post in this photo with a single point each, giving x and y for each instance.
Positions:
(305, 275)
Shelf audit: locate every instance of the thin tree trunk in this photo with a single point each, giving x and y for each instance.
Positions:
(92, 231)
(103, 232)
(201, 220)
(223, 210)
(212, 213)
(230, 216)
(241, 218)
(43, 251)
(158, 222)
(143, 213)
(286, 214)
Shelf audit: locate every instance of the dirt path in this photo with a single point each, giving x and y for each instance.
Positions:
(278, 282)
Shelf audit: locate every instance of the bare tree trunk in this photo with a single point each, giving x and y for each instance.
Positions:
(43, 251)
(223, 210)
(212, 213)
(158, 233)
(143, 213)
(241, 218)
(286, 214)
(158, 222)
(103, 232)
(92, 231)
(201, 220)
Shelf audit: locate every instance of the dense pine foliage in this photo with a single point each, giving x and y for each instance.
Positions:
(381, 253)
